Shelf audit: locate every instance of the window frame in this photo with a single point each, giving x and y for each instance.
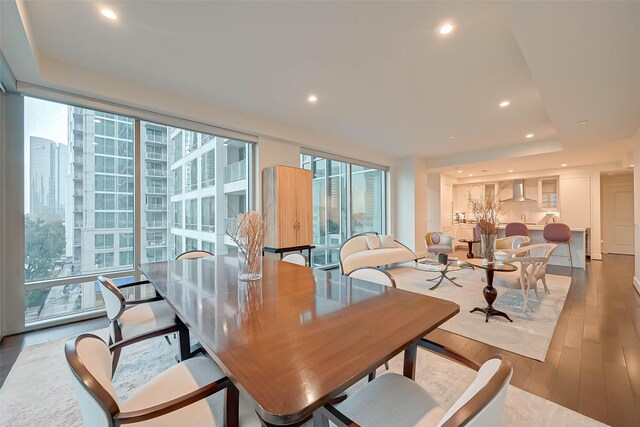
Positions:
(135, 118)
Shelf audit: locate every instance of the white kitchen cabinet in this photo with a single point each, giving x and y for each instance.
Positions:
(460, 200)
(548, 193)
(446, 205)
(505, 190)
(575, 201)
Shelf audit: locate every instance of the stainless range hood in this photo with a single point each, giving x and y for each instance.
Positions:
(518, 192)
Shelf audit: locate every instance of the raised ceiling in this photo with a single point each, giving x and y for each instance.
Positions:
(385, 79)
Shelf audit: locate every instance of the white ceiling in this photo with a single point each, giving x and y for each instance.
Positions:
(384, 77)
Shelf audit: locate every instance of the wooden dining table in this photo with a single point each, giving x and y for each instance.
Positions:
(298, 337)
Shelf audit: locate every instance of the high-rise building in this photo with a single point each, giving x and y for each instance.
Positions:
(48, 177)
(193, 184)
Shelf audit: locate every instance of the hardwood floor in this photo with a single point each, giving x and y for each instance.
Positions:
(593, 363)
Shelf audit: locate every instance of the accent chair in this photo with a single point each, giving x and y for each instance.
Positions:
(438, 243)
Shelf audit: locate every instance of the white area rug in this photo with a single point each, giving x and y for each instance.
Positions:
(38, 390)
(530, 333)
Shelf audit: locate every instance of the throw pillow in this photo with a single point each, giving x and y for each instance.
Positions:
(373, 241)
(388, 241)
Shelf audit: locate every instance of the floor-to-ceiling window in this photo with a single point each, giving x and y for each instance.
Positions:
(81, 172)
(348, 199)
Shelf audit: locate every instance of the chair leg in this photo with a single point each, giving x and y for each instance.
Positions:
(544, 282)
(372, 376)
(115, 355)
(570, 257)
(386, 365)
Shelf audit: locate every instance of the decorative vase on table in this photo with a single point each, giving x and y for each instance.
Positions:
(489, 246)
(249, 265)
(249, 237)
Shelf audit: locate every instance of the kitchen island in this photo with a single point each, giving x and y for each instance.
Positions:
(560, 255)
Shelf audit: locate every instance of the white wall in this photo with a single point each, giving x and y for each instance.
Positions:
(2, 139)
(12, 260)
(410, 197)
(636, 207)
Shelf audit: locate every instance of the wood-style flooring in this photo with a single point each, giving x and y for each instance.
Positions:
(592, 367)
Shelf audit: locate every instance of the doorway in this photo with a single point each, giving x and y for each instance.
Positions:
(617, 213)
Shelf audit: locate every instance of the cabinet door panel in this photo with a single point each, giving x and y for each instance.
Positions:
(575, 201)
(287, 207)
(305, 209)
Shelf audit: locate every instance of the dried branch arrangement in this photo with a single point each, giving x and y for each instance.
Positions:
(249, 237)
(487, 210)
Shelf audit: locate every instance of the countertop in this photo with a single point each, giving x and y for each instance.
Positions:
(532, 227)
(541, 227)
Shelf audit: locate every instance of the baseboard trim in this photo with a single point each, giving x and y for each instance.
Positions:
(636, 284)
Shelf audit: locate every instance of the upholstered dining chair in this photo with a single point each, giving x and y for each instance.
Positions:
(395, 400)
(532, 269)
(516, 229)
(375, 275)
(194, 254)
(296, 259)
(134, 320)
(558, 232)
(438, 243)
(181, 394)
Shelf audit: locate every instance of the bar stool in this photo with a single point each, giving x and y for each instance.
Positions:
(516, 229)
(559, 233)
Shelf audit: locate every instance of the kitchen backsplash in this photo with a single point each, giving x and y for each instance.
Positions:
(513, 211)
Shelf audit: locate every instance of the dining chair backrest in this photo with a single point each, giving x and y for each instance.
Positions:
(296, 259)
(516, 229)
(482, 402)
(89, 359)
(194, 254)
(557, 232)
(113, 298)
(375, 275)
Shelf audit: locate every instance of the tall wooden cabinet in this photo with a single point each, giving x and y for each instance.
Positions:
(286, 205)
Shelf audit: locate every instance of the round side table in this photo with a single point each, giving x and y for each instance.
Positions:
(489, 292)
(469, 242)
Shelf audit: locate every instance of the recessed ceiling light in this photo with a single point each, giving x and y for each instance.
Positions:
(108, 13)
(583, 122)
(97, 121)
(312, 98)
(452, 137)
(459, 171)
(631, 166)
(446, 29)
(470, 174)
(504, 104)
(564, 165)
(529, 135)
(510, 170)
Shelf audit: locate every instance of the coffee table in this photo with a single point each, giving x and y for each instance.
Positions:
(443, 269)
(489, 292)
(470, 243)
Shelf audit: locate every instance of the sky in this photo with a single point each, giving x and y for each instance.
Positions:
(47, 120)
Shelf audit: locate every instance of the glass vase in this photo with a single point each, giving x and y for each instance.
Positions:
(488, 246)
(249, 265)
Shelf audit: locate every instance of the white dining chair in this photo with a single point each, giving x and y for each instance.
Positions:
(181, 395)
(531, 270)
(134, 320)
(373, 274)
(395, 400)
(296, 259)
(195, 254)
